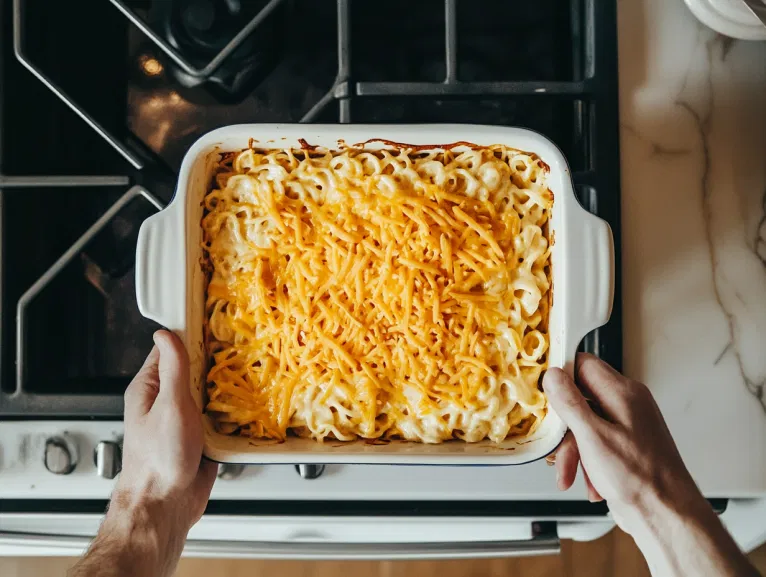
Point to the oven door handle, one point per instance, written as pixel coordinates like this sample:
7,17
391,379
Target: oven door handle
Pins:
30,544
378,551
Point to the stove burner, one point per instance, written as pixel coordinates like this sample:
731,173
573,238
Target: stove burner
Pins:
444,62
200,29
204,24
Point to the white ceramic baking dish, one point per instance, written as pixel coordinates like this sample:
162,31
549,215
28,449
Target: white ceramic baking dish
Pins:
170,284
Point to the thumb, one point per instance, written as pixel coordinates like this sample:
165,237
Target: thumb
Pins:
142,390
203,485
173,366
567,400
206,477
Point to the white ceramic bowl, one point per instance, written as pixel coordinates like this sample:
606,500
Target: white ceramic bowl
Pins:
170,284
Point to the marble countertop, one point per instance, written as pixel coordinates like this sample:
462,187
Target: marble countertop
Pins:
693,145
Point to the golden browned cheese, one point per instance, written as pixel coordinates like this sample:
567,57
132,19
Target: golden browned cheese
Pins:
378,294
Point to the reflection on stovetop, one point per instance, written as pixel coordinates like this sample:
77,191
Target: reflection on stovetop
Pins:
169,115
276,76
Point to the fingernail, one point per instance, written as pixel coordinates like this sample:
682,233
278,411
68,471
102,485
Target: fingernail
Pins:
558,481
158,342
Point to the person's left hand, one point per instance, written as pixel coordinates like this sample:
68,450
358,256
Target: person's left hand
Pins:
163,472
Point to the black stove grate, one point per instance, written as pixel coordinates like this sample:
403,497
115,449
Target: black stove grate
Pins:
153,76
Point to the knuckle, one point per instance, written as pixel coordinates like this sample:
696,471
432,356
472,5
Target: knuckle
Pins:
582,366
638,391
589,368
641,389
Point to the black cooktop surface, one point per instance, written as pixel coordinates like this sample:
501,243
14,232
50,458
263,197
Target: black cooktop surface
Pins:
93,104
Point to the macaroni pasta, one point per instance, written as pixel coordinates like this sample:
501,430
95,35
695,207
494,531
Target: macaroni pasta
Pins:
388,294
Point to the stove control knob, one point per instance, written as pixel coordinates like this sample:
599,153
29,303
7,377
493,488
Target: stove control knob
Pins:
60,456
309,471
108,459
229,471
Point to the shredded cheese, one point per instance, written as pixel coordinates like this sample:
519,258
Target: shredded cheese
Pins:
378,294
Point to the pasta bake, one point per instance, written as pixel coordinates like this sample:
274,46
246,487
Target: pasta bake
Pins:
400,293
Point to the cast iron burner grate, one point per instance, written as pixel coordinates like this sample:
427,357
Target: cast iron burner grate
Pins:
154,75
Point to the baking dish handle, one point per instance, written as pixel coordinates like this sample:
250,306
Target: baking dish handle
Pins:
161,268
592,273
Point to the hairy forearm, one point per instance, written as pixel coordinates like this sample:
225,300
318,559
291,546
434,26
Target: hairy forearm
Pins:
682,536
136,538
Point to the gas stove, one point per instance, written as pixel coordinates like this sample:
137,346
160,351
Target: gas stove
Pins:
94,121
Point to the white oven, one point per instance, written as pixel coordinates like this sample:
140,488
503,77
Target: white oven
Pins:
56,477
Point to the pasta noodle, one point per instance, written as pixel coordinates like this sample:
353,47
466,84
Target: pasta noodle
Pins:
378,294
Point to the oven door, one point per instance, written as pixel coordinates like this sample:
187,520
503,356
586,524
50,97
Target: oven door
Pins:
295,537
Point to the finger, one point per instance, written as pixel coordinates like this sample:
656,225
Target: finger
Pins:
567,400
603,384
593,495
142,390
567,459
173,366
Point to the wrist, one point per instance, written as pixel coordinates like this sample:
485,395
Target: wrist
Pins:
145,502
146,529
656,512
662,505
663,519
680,534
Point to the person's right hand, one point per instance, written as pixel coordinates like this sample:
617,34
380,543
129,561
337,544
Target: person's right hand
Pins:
162,453
165,481
627,453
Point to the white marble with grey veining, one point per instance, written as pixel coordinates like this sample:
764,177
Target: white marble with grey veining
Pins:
693,144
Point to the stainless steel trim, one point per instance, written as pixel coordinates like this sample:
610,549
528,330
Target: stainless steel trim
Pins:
310,471
382,551
758,8
61,181
108,459
319,550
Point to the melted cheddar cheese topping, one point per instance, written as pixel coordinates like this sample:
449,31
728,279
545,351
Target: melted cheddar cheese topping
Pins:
378,294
